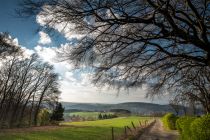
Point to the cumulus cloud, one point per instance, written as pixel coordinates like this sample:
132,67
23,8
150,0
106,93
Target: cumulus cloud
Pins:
76,86
27,52
65,28
44,38
46,53
14,41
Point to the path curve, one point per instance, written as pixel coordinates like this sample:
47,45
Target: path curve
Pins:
157,132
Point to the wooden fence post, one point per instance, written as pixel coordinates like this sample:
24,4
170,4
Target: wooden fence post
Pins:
140,123
112,133
133,125
125,131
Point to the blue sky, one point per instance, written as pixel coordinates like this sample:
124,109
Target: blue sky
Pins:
26,30
23,29
73,89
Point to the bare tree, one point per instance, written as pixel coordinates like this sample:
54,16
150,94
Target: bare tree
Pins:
50,86
133,42
195,88
27,85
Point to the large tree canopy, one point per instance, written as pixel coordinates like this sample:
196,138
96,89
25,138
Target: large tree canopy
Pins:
132,42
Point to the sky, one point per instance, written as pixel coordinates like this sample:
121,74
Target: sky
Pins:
75,84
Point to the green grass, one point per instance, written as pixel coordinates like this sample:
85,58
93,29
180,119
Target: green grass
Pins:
88,130
116,122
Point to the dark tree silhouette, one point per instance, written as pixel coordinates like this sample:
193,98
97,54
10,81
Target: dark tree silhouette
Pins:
27,86
100,116
133,42
57,114
194,90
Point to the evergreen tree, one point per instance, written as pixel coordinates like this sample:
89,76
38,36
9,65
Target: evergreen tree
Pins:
57,114
104,116
100,116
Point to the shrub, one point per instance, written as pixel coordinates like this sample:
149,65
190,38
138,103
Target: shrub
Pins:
200,128
169,121
43,117
192,128
183,125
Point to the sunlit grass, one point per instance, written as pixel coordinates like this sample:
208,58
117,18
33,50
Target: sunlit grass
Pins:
87,130
116,122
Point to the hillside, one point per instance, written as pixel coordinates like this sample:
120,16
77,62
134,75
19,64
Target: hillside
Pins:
134,107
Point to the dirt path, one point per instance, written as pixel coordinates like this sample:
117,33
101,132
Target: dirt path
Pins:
156,132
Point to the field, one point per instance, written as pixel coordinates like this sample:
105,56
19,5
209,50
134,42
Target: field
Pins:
87,130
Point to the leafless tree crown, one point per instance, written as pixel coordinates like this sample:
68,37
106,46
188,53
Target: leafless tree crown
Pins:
26,86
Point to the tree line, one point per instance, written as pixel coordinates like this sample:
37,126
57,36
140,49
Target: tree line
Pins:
106,116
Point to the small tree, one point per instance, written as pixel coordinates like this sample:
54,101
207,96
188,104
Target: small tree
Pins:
57,114
43,117
104,116
100,116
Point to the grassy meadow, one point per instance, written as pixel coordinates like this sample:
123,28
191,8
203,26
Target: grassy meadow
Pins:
87,130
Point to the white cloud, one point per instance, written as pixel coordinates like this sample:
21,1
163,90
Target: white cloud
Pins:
76,86
44,38
14,41
65,28
46,53
27,52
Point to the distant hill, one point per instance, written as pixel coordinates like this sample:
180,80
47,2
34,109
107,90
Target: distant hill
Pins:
134,107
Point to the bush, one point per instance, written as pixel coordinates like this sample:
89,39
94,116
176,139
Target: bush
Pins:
169,121
44,117
183,125
200,128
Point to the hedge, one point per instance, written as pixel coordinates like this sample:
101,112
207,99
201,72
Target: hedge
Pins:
169,121
192,128
183,126
200,128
